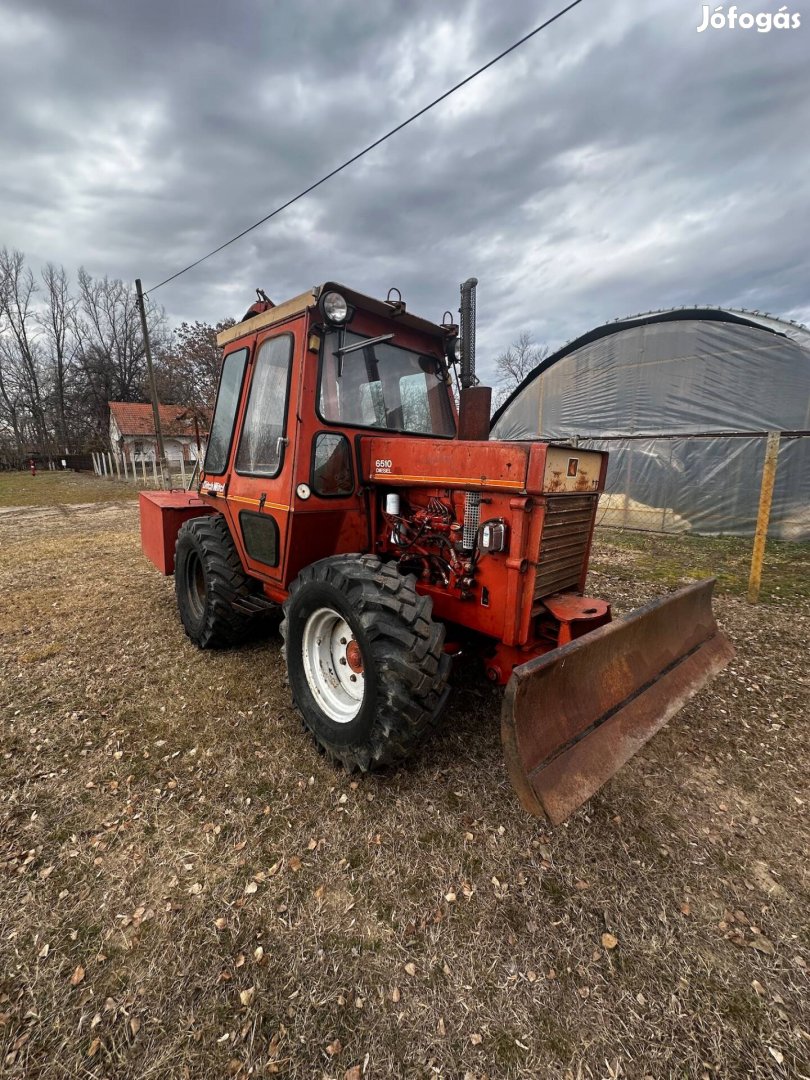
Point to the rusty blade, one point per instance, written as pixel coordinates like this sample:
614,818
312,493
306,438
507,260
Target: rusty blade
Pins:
573,717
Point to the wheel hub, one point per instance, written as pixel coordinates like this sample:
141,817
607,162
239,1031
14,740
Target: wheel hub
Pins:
354,657
333,665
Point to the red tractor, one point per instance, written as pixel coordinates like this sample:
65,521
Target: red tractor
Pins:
342,483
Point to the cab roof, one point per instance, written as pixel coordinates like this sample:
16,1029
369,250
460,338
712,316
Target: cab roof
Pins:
309,299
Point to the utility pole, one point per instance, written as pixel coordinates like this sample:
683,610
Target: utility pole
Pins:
164,464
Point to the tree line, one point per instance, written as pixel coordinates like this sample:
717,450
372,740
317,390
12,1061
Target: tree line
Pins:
67,348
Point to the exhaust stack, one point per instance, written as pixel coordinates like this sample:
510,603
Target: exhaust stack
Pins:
475,401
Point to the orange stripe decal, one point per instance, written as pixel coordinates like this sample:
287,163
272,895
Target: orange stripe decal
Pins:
483,481
256,502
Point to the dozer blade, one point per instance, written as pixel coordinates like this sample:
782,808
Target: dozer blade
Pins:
573,717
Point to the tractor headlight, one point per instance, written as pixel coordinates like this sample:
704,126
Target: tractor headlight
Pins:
453,351
334,307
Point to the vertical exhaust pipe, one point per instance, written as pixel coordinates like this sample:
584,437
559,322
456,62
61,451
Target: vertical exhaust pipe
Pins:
467,312
474,401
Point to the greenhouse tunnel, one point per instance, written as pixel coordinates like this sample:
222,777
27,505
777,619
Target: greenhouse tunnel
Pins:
683,401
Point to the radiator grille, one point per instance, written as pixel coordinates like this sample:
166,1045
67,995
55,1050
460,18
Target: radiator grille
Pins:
564,543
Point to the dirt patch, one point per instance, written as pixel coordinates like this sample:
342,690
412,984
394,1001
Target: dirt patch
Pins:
188,890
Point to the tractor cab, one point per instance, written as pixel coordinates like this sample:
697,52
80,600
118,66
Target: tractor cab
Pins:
301,383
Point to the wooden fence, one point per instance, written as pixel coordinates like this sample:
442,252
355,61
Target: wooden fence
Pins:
146,474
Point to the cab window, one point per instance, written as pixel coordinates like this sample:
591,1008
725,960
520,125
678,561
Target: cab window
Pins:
261,446
230,385
383,386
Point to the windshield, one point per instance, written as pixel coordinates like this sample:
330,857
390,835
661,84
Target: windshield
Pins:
383,386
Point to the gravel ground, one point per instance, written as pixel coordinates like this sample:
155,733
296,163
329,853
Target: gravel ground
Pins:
188,890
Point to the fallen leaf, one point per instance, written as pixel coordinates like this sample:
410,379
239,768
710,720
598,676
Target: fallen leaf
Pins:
763,945
295,864
251,888
77,976
410,968
450,897
95,1045
776,1055
609,941
395,995
476,1039
685,908
43,952
220,923
334,1048
440,1028
765,880
246,996
258,954
134,1025
354,1073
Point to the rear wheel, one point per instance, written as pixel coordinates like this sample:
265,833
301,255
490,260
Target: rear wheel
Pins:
208,579
365,660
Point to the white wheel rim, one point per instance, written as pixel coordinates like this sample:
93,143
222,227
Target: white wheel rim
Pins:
330,664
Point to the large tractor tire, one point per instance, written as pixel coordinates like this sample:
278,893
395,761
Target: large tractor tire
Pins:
365,660
208,580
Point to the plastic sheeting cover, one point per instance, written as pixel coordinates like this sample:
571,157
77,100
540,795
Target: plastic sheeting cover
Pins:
681,378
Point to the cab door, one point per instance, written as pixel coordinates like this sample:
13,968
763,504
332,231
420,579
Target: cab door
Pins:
259,491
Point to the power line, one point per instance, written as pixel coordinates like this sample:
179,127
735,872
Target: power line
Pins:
370,147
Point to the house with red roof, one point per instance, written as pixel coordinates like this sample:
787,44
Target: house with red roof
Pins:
132,432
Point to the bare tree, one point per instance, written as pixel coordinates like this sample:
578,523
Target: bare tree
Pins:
515,363
21,352
111,352
59,327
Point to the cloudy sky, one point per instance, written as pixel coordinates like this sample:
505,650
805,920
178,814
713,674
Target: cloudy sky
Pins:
617,162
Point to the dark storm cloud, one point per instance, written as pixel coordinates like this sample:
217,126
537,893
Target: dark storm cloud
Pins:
620,161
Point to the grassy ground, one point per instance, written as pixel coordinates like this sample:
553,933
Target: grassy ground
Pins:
672,560
188,890
46,488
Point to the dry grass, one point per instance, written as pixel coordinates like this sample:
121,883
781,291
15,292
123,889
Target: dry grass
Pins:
47,488
188,890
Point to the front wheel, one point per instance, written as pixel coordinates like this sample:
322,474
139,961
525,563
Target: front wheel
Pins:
365,660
